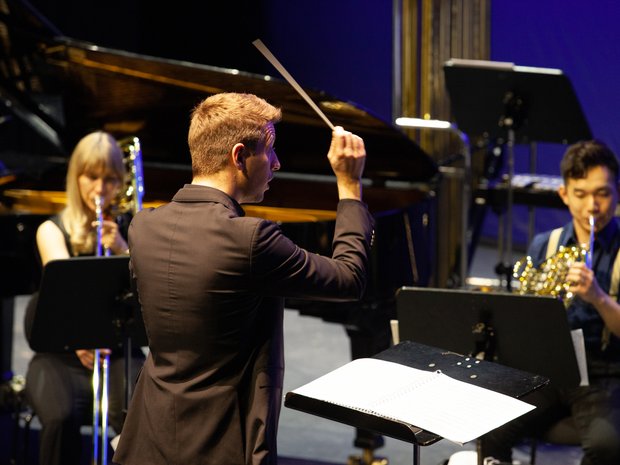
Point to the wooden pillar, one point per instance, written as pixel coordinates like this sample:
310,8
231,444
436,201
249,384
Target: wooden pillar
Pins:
428,33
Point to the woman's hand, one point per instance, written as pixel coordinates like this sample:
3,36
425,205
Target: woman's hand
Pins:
87,357
111,237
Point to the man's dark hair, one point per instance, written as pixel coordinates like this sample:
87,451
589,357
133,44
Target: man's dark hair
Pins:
585,155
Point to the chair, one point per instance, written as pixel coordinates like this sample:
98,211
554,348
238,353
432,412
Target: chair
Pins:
22,415
564,432
22,450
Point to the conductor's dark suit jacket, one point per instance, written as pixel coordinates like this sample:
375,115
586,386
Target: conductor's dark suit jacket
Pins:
211,284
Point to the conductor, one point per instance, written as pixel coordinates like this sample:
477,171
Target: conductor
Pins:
212,283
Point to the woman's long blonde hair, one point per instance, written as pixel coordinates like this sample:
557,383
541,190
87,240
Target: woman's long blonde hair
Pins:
97,152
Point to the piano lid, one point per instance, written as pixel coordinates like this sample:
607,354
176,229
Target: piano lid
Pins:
63,88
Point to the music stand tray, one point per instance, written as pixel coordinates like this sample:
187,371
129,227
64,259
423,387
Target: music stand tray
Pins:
488,375
540,102
86,303
529,333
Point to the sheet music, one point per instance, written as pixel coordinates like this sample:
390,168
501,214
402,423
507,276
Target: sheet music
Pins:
432,401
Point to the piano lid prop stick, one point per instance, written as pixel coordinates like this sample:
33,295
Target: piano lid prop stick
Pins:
274,61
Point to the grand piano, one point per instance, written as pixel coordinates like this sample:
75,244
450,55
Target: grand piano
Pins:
54,89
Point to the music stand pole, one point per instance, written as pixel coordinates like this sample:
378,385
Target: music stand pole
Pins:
509,205
467,187
511,120
104,409
96,385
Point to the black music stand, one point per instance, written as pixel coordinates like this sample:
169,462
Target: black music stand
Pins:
87,303
493,376
517,104
538,104
529,333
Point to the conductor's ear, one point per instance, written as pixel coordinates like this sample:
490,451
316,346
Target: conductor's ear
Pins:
238,154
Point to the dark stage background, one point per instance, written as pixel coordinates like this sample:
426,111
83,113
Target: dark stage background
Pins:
344,47
581,38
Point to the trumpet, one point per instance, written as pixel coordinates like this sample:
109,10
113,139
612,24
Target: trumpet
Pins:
550,278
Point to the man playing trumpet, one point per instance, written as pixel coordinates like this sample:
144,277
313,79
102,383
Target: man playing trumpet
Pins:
590,191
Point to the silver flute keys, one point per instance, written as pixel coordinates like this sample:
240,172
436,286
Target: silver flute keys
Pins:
100,250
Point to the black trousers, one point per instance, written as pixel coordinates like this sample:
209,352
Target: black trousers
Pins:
595,410
59,390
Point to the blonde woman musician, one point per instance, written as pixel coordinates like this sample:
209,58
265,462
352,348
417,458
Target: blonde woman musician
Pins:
59,385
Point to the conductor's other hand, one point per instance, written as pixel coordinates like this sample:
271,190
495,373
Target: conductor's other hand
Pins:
347,156
87,357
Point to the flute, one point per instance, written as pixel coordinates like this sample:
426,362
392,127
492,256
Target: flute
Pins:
100,250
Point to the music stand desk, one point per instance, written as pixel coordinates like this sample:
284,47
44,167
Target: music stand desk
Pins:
488,375
547,107
529,333
85,303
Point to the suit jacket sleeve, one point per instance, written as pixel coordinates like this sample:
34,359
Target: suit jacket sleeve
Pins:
280,267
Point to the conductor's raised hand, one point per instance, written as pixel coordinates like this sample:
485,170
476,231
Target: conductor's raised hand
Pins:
347,156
